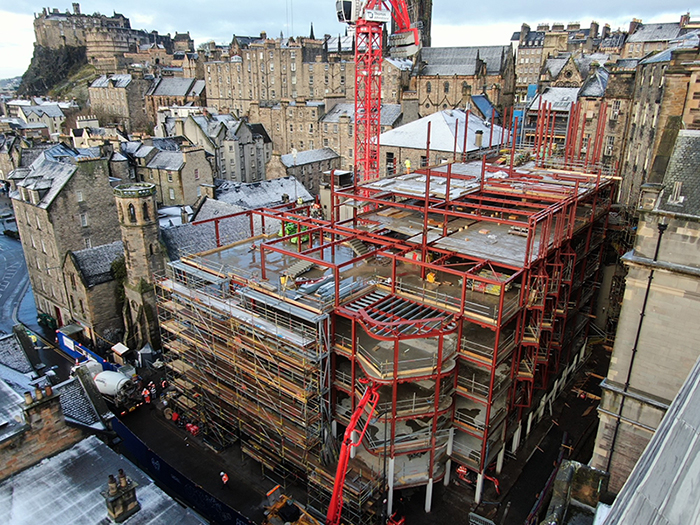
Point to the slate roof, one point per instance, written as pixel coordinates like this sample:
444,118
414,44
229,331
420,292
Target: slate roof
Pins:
167,160
626,63
259,129
391,113
308,157
13,356
211,208
449,61
177,87
414,134
533,39
613,40
95,264
663,56
484,105
596,84
81,402
119,81
10,410
52,169
66,489
655,32
683,168
663,487
561,98
262,194
50,110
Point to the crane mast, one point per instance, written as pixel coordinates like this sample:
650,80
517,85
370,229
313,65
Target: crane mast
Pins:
368,18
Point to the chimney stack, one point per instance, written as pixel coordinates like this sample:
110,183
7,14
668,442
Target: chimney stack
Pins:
120,497
479,140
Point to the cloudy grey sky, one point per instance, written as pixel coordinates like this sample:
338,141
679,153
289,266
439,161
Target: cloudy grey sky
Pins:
455,22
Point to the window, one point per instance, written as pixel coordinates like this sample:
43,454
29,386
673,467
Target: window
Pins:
88,243
423,161
83,219
79,195
390,163
446,87
311,128
146,216
465,88
43,246
291,128
196,174
171,192
428,87
132,213
170,176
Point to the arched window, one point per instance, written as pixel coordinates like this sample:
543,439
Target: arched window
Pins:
446,87
150,248
428,87
465,88
132,213
145,212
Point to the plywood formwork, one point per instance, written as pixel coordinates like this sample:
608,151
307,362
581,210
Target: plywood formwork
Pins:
465,296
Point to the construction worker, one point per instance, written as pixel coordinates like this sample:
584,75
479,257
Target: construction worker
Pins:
146,396
152,388
224,480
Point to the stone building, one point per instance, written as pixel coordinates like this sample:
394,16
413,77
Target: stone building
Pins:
63,202
178,171
47,114
92,293
664,100
10,154
645,38
445,78
105,48
138,219
615,89
183,42
656,342
54,29
236,149
561,99
308,166
305,125
119,99
174,92
565,70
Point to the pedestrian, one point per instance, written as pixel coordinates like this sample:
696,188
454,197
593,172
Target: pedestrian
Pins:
152,388
224,480
146,396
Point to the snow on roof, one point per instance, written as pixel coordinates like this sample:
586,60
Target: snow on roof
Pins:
308,157
117,81
414,135
80,475
561,98
262,194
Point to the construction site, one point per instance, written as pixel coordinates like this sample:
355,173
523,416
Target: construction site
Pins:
464,291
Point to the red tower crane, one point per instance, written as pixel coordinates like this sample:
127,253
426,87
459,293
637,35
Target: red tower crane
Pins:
368,17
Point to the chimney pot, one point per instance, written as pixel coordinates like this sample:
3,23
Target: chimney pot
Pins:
48,391
38,394
28,399
112,485
122,478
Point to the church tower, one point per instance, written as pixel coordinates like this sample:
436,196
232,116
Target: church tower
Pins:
143,255
420,12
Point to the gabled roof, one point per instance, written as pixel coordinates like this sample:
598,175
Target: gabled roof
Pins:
52,169
117,81
308,157
596,84
414,135
561,98
167,160
13,356
265,193
682,173
655,32
177,87
95,264
50,110
82,403
390,115
10,410
449,61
